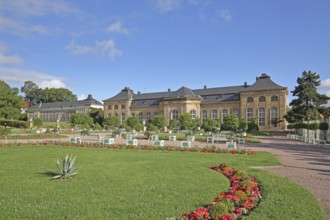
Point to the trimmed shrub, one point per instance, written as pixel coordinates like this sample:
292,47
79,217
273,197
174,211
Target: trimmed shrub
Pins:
14,123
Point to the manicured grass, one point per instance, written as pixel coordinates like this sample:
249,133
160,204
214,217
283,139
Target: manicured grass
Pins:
32,136
135,184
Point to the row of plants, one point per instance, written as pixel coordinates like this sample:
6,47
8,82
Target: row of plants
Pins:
207,149
241,198
311,126
14,123
32,136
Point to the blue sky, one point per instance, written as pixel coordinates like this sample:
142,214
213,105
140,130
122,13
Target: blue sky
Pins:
98,47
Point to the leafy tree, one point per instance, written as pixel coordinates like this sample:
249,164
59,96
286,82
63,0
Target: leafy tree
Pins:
97,126
186,121
138,127
10,102
32,92
96,114
132,121
275,121
57,95
37,122
243,125
152,127
308,100
82,120
174,124
210,124
230,122
159,121
111,122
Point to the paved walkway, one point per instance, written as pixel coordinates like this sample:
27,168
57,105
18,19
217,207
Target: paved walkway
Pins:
305,164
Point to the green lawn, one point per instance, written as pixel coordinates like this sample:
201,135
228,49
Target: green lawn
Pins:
126,184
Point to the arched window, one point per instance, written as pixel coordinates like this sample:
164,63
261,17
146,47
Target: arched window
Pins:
235,112
204,114
123,118
148,116
193,114
224,113
109,107
133,114
122,106
174,114
273,114
249,114
262,99
249,99
274,98
141,116
116,106
214,114
262,117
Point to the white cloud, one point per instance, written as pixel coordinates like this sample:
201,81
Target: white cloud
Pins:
82,97
168,5
33,8
5,59
15,75
325,84
224,15
22,28
117,28
105,48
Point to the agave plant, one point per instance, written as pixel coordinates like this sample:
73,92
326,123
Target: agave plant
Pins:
67,167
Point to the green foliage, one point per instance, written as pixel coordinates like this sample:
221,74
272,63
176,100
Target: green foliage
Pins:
275,121
112,122
210,124
97,126
243,125
57,95
313,126
84,132
252,126
10,102
4,131
32,92
324,126
67,167
96,114
132,121
138,127
82,120
159,121
126,127
174,124
308,100
186,121
14,123
230,122
152,127
37,122
218,210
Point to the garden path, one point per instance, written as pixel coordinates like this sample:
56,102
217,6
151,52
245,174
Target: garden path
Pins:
306,164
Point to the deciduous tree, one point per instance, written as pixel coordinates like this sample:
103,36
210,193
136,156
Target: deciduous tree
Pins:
10,102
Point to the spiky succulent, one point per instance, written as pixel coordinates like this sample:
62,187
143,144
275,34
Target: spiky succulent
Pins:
67,167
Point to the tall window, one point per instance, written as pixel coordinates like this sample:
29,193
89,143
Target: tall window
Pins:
249,114
133,114
148,116
204,114
262,118
175,114
250,99
224,113
193,114
273,114
140,116
122,106
235,112
109,107
116,115
262,99
214,114
116,106
274,98
123,118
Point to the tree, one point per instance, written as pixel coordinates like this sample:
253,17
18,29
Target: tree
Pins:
210,124
243,125
230,122
111,122
37,122
159,121
305,107
79,119
174,124
57,95
32,92
132,121
96,114
10,102
186,121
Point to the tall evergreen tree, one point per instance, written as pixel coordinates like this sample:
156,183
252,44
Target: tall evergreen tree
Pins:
308,100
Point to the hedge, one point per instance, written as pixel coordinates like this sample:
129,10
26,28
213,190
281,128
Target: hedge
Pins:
14,123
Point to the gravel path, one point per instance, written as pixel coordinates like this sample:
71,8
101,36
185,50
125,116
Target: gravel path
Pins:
306,164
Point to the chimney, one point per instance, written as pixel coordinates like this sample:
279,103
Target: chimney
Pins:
205,87
139,92
257,78
169,90
89,96
245,84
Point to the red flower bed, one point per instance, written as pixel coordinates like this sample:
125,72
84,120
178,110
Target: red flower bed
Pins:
241,198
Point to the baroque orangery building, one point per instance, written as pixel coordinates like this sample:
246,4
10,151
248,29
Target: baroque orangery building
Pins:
264,100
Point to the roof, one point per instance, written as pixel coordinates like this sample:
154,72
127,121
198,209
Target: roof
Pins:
264,83
124,94
67,104
183,92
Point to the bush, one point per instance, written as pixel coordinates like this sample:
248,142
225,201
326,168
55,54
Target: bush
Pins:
14,123
252,126
324,126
